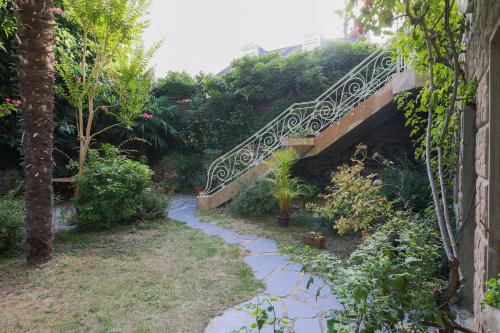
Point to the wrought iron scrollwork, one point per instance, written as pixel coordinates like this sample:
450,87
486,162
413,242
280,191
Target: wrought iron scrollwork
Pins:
309,117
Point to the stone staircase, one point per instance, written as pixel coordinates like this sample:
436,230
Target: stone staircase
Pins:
311,127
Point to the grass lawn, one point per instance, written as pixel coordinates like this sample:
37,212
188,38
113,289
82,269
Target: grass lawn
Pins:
287,239
160,277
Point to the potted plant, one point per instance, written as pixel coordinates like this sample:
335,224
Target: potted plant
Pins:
314,238
286,187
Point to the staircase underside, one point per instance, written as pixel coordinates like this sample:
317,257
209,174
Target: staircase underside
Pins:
365,115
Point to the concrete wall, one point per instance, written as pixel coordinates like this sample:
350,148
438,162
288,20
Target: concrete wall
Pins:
482,66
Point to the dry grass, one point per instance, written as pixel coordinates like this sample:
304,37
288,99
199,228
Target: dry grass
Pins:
287,239
163,278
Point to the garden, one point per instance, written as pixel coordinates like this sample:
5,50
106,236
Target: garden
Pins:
102,160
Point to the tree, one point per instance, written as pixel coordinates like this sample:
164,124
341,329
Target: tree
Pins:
36,81
111,76
429,40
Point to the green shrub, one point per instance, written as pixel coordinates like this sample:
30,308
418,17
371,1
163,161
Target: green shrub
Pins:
407,183
255,199
492,296
112,190
309,193
390,281
12,231
155,202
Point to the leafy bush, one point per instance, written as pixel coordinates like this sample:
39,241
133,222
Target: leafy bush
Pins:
405,182
309,193
12,231
155,202
112,189
354,201
255,199
492,296
390,282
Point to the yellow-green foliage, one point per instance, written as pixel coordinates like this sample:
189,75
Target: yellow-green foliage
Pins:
353,201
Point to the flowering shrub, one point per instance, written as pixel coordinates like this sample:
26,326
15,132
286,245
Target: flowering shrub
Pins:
58,11
113,190
354,201
9,106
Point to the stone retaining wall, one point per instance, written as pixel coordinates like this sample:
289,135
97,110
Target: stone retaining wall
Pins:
484,17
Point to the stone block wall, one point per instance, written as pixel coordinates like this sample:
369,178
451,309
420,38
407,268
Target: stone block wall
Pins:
484,18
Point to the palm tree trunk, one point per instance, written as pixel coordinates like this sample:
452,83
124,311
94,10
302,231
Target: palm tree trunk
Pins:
36,81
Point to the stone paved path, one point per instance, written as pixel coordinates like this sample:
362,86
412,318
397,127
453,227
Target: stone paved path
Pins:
283,279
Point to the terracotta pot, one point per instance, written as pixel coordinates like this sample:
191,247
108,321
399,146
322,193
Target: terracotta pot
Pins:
283,221
318,242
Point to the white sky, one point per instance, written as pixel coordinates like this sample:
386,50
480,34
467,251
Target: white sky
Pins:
205,35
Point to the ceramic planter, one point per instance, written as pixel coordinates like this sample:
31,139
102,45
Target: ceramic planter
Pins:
283,221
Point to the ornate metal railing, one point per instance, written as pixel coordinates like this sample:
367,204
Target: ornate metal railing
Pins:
309,118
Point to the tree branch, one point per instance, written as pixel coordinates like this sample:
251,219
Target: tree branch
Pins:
104,130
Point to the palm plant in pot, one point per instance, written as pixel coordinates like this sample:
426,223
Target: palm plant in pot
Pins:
285,187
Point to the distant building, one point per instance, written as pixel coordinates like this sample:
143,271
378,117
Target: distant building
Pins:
310,41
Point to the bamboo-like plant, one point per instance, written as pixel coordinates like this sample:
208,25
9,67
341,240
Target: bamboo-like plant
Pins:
286,187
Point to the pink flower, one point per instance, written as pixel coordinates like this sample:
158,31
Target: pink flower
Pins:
146,115
16,102
58,11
